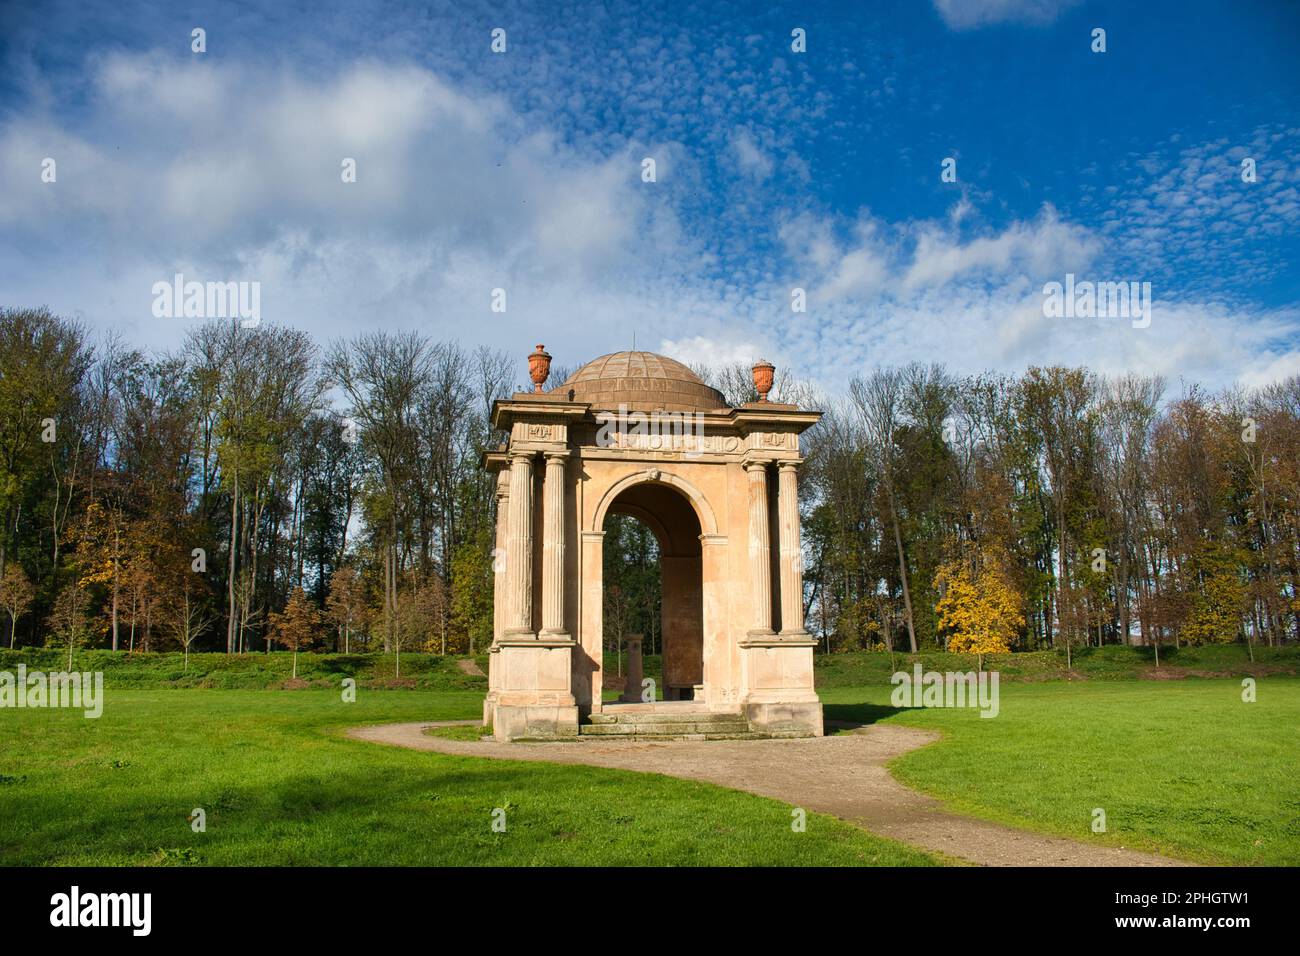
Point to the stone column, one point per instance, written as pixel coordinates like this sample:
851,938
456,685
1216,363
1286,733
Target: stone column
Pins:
791,555
519,557
553,546
499,563
591,618
760,556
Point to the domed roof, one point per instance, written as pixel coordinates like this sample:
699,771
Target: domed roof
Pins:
641,380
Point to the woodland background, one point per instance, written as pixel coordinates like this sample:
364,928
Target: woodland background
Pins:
256,488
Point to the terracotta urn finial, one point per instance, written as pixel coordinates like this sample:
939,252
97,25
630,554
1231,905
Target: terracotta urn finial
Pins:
763,373
539,367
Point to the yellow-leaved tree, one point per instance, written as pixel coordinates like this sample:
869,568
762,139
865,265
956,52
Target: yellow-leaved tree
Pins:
980,610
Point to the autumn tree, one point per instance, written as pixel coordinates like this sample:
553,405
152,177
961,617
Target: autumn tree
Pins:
345,605
69,619
1215,615
422,608
295,627
140,580
979,610
100,542
16,595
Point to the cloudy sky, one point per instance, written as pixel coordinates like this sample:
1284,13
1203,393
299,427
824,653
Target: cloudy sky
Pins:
775,170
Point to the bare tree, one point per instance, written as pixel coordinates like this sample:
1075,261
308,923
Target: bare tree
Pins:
878,399
16,595
383,375
188,618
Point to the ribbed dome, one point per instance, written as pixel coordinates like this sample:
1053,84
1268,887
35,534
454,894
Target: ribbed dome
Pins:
641,380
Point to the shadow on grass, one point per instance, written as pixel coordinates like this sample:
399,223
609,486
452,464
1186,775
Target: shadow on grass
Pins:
853,716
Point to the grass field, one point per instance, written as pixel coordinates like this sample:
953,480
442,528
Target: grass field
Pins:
217,671
1179,766
281,786
214,671
1110,663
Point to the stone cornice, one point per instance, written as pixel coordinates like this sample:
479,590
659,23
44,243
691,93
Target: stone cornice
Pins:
751,417
531,407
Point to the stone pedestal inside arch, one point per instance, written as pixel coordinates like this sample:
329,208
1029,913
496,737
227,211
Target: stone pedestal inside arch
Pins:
639,434
635,669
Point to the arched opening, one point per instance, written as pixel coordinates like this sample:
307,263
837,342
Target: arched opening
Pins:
653,586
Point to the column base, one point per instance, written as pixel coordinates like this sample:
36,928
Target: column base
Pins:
493,672
785,719
533,697
534,722
778,696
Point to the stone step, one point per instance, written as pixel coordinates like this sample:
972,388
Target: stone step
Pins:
655,727
656,707
738,735
662,717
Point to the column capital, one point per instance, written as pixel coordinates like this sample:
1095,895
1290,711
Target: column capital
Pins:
789,464
560,455
755,464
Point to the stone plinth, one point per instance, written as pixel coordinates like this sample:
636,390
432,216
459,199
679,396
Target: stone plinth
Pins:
778,675
534,694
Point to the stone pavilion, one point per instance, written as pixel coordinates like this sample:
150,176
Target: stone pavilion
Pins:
640,434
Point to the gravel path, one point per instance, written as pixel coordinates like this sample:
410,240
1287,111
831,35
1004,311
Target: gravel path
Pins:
843,776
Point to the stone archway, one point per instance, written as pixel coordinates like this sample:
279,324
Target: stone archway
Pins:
640,433
670,514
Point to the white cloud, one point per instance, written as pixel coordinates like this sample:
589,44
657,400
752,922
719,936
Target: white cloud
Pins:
970,14
751,160
925,291
234,174
711,350
1043,246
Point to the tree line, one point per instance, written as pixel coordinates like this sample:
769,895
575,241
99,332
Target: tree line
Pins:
246,489
1056,508
253,488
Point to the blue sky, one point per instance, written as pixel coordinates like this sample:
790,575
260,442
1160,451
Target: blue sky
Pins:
775,170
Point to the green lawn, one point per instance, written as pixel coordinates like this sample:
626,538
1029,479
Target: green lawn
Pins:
280,785
1111,663
257,671
1183,767
1179,766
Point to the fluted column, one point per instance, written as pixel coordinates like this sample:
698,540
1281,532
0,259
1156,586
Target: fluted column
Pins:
519,555
553,545
791,555
760,554
499,563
